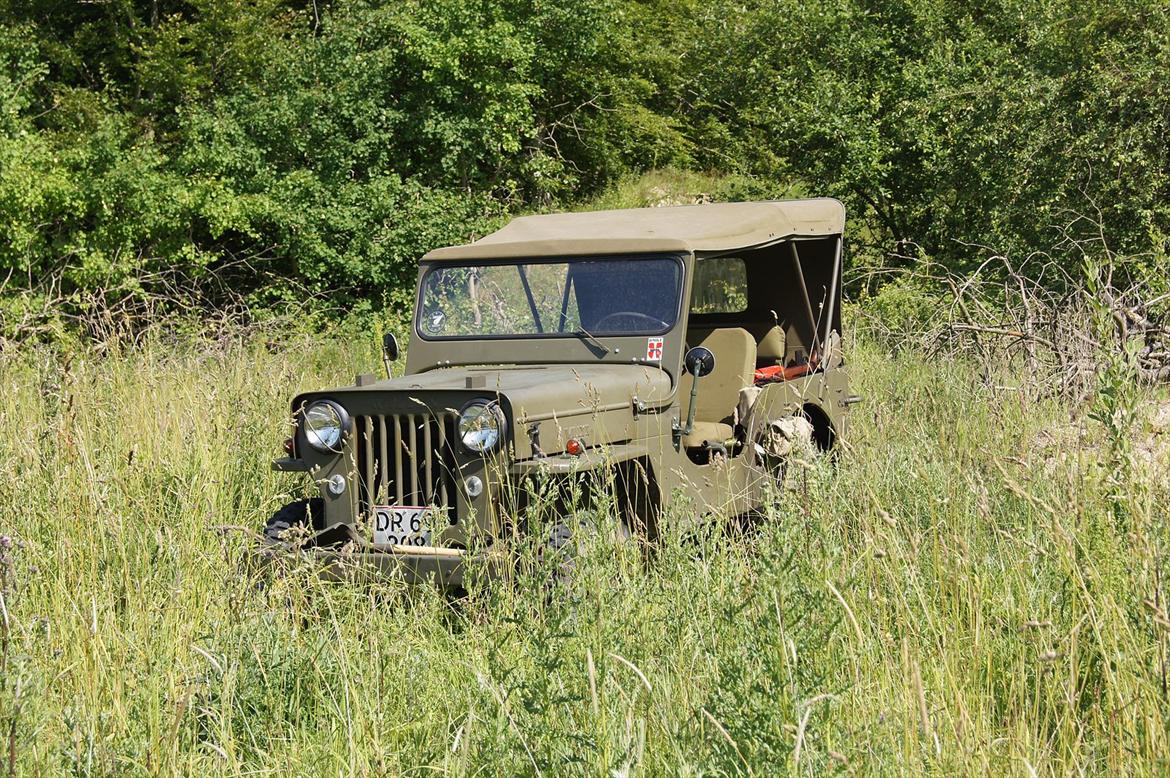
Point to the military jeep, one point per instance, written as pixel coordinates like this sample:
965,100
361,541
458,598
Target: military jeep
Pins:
666,353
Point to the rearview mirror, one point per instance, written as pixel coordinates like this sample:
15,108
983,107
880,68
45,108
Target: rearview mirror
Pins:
390,346
389,351
699,361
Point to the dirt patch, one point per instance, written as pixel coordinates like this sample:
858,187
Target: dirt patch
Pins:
1081,441
660,197
1153,444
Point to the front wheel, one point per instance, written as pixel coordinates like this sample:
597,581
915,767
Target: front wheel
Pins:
296,523
561,547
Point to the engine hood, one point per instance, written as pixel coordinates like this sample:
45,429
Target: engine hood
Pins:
548,404
540,392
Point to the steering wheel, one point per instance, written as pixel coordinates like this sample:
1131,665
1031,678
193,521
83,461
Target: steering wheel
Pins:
658,324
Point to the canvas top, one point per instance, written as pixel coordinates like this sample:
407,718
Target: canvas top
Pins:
710,228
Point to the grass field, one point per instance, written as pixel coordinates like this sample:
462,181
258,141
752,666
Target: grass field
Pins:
977,587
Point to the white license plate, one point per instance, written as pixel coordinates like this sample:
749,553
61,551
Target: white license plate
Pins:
401,525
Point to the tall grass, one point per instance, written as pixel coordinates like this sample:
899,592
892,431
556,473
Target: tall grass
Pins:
976,586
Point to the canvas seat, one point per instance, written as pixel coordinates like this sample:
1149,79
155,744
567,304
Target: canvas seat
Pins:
735,363
772,349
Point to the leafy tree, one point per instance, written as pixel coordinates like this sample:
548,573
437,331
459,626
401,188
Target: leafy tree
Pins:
195,150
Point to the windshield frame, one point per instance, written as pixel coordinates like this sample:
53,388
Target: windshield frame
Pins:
427,268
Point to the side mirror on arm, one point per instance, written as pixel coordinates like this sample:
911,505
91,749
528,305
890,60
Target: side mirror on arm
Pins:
698,362
389,351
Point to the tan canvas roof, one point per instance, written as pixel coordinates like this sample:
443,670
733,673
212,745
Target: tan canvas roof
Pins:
712,227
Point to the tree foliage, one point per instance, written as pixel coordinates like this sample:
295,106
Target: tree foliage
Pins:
278,148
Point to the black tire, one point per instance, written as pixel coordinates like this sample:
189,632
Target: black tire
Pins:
302,514
560,547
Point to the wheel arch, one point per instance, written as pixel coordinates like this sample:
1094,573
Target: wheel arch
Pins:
824,433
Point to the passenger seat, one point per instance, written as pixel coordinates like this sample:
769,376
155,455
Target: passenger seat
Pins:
773,348
735,360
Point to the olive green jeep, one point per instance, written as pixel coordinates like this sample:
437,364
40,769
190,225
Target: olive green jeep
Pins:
651,354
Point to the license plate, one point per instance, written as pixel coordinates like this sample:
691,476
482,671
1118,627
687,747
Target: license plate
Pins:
401,525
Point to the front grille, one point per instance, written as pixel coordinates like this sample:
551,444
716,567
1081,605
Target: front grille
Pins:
407,459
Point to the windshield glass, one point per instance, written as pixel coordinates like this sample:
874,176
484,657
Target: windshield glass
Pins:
549,298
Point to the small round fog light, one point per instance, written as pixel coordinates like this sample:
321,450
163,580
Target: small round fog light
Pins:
474,486
336,484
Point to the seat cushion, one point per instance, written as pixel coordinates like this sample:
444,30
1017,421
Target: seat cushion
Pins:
772,348
707,432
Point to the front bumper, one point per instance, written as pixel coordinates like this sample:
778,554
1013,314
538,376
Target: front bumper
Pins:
440,566
443,567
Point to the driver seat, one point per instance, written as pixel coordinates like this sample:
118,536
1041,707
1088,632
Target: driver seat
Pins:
735,364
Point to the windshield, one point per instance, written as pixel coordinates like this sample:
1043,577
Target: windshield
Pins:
549,298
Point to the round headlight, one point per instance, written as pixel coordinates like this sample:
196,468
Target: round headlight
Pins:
481,426
325,426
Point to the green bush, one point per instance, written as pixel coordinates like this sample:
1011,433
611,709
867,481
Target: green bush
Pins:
212,151
901,307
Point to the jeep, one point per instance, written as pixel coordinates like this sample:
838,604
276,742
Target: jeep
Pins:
651,354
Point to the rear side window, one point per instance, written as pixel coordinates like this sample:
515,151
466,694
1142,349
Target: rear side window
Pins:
720,286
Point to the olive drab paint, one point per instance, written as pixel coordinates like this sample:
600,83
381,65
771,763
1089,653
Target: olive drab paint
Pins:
621,391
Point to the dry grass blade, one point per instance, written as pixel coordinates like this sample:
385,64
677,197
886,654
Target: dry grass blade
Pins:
641,676
727,736
802,726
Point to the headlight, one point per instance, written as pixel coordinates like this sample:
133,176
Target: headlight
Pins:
326,424
481,425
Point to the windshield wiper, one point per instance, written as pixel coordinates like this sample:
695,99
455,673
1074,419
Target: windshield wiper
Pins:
585,336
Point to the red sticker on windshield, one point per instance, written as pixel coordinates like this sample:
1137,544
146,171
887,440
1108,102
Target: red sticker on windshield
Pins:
653,349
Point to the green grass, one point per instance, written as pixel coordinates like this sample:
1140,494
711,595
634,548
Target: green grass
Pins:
954,597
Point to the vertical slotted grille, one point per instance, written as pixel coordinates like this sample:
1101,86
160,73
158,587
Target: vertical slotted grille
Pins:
406,459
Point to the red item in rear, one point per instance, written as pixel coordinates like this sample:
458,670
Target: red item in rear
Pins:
768,375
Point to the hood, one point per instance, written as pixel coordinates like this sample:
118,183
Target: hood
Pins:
540,392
